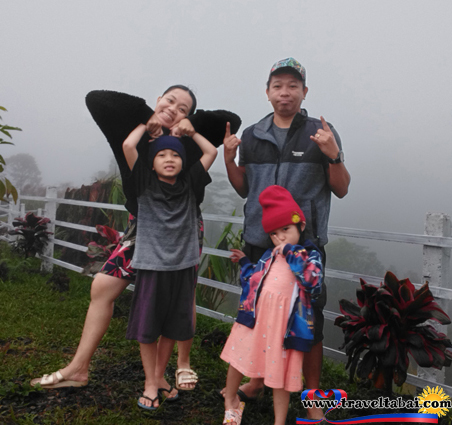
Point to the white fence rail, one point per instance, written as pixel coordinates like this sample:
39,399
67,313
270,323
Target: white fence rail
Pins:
436,242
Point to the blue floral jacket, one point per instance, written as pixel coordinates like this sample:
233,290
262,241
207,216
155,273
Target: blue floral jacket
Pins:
306,264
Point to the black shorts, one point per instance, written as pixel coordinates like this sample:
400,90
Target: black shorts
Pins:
254,253
162,304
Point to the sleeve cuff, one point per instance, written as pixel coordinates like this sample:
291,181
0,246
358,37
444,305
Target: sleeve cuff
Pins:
287,248
244,261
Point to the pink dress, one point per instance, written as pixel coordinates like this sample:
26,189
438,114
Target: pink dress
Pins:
259,352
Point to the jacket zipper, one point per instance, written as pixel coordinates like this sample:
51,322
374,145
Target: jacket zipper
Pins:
289,325
260,284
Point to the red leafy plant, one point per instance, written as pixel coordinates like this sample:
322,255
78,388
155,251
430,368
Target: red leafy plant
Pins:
99,252
388,323
32,234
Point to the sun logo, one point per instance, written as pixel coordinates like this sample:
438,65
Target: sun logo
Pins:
435,401
295,217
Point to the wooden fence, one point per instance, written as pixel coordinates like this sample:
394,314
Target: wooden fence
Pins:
436,242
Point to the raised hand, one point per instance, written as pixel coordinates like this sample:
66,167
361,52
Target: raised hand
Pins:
325,140
236,255
154,127
183,128
231,143
278,249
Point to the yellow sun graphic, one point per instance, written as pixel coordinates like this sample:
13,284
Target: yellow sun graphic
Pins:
434,400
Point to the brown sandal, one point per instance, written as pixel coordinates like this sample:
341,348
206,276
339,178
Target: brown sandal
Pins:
56,380
186,376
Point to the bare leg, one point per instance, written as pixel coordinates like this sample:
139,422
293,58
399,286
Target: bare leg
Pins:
184,347
149,359
281,399
164,350
312,368
104,291
251,388
231,399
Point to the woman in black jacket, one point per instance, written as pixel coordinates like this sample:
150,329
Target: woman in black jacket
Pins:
117,114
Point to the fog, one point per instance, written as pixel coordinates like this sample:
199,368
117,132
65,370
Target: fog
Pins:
378,70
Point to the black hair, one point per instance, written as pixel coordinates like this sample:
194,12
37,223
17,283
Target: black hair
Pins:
301,232
185,88
286,70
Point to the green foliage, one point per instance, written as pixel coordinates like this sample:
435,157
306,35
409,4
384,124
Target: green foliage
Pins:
220,269
8,267
11,389
6,187
117,219
40,330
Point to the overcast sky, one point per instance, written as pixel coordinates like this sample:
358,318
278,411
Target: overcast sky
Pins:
378,70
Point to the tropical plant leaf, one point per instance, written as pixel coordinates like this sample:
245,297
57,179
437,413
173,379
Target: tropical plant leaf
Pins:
108,233
422,356
32,220
354,362
390,356
8,127
381,345
349,308
96,250
374,333
11,190
387,323
415,339
366,365
406,292
432,312
4,142
218,268
32,234
392,284
399,376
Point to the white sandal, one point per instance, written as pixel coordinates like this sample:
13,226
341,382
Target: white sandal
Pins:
186,376
56,380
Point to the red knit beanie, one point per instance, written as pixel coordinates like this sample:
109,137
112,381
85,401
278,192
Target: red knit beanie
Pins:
279,208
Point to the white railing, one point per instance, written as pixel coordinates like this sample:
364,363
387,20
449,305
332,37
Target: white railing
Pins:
437,244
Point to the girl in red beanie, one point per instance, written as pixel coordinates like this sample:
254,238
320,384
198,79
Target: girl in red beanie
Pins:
275,321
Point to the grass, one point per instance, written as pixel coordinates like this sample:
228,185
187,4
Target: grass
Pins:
39,332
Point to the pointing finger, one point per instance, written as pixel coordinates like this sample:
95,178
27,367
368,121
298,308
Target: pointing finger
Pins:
228,130
325,125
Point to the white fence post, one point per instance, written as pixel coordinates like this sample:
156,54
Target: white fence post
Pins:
436,271
12,214
50,212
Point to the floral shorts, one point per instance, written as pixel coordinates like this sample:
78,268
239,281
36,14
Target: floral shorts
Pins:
120,262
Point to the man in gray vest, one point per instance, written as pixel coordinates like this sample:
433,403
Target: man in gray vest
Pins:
302,154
